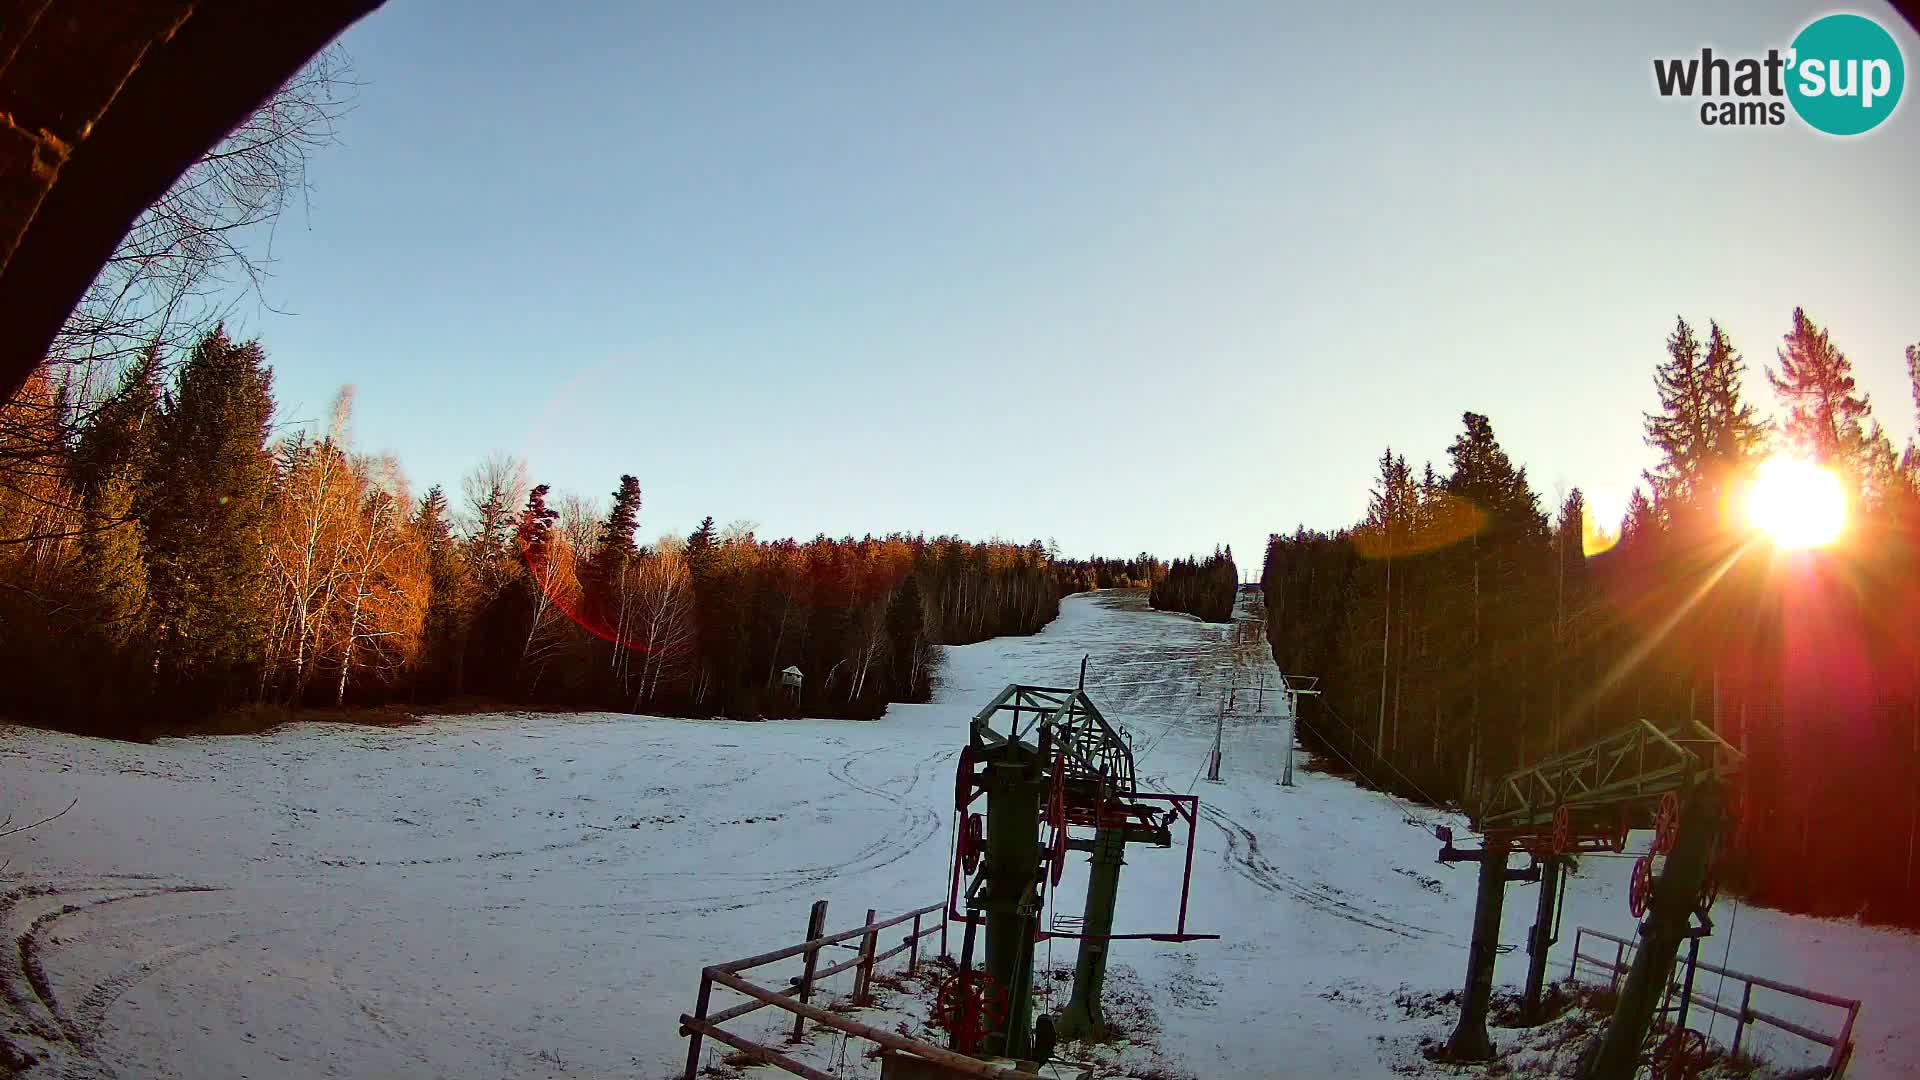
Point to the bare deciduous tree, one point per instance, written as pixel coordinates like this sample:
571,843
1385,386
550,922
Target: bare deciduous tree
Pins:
207,243
663,630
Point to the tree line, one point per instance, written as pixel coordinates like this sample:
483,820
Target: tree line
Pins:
1462,629
1200,587
164,555
1142,571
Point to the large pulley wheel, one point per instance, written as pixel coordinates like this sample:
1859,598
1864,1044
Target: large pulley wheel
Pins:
1562,831
1057,849
1640,888
1709,887
1682,1055
1666,823
973,842
1056,815
970,1004
963,780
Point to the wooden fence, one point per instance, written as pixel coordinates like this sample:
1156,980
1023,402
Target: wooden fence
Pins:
794,998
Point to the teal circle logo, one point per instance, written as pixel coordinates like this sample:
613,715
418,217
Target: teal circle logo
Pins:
1846,74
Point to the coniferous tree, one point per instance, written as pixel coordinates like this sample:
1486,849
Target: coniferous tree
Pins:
1641,520
703,557
1497,557
906,630
606,588
205,496
542,587
1704,432
1203,588
1389,514
109,464
1815,383
443,648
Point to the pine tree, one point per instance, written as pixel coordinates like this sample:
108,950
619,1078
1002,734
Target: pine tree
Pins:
1883,480
613,551
491,492
119,434
1703,431
1913,375
1571,531
443,651
906,633
702,540
207,487
606,585
545,587
1389,511
1736,433
1910,461
616,534
1641,521
1815,383
1498,558
108,464
534,531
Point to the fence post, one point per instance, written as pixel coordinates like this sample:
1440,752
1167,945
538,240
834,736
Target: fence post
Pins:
943,932
863,972
913,946
699,1013
816,927
1619,959
1843,1046
1740,1026
1573,966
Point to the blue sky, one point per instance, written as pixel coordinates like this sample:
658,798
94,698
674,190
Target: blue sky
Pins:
1128,275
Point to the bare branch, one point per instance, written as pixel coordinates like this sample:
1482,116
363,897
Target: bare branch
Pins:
15,830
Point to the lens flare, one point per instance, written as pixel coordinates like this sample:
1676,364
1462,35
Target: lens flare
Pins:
1796,503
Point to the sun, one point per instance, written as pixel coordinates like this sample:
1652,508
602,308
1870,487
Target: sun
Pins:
1796,503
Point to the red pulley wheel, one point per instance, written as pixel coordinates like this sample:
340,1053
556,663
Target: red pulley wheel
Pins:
963,779
970,1004
1640,888
1682,1055
972,842
1666,823
1562,831
1710,886
1057,857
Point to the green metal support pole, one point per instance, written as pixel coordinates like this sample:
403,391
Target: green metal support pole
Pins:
1540,940
1616,1053
1083,1017
1014,784
1470,1041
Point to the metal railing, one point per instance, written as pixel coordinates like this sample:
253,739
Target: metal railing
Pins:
702,1024
1839,1044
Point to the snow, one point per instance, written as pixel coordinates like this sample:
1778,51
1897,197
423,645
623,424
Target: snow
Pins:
535,895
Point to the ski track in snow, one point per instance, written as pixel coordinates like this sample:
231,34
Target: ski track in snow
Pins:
534,896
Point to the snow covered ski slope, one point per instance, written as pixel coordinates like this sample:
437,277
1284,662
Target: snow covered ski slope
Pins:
533,896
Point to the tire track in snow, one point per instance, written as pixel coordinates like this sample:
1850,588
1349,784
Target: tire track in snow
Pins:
1256,868
43,1013
90,1016
924,823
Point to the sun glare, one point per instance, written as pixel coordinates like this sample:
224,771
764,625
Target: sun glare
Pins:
1796,503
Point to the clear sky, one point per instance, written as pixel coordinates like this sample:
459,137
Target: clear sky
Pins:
1132,275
